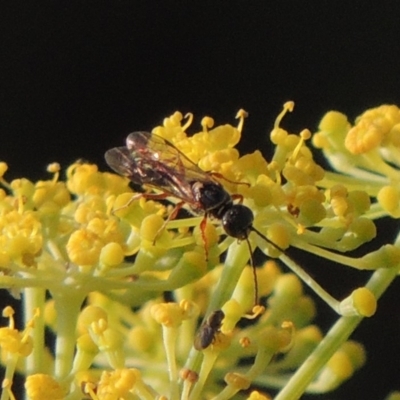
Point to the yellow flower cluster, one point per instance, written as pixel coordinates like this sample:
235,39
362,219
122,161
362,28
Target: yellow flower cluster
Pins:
368,151
91,240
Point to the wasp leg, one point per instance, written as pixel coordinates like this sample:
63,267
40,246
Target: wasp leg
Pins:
237,196
203,225
130,201
170,217
148,196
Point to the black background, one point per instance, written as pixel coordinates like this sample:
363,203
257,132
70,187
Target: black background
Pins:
77,76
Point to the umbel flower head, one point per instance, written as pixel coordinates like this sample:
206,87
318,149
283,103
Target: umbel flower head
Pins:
96,262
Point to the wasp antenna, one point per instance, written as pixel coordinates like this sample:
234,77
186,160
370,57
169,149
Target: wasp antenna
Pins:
220,176
304,276
254,273
267,240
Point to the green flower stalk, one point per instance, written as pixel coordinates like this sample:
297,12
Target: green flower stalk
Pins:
94,261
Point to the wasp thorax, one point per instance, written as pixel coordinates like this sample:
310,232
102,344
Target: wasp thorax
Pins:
237,221
212,196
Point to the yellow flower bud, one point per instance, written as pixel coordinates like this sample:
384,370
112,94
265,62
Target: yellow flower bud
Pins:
237,381
44,387
112,254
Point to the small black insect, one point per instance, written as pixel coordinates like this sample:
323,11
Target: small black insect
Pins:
207,331
148,159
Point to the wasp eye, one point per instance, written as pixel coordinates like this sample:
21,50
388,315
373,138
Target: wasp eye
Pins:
237,221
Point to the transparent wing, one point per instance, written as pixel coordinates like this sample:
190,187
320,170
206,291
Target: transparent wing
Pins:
151,160
157,149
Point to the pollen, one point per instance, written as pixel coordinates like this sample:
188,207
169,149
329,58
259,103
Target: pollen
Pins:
170,314
364,302
20,234
172,128
89,315
3,169
389,199
363,138
189,375
373,129
14,341
255,395
333,121
50,196
151,229
338,199
275,339
278,234
111,260
220,161
84,247
237,381
207,123
105,228
332,132
117,384
54,167
304,171
174,120
111,254
84,179
266,192
141,339
43,387
341,366
233,311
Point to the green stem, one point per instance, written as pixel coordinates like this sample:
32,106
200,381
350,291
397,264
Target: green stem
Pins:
332,178
67,304
236,259
338,334
34,298
169,336
10,362
312,283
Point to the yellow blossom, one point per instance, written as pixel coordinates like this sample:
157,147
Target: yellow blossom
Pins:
373,128
112,254
50,195
172,130
84,247
132,284
44,387
117,384
389,198
89,315
170,314
84,179
20,234
255,395
239,382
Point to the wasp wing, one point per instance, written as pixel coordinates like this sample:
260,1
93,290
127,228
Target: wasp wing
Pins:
119,159
149,159
159,150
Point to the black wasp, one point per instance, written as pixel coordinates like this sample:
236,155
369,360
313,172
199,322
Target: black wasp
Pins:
206,334
148,159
